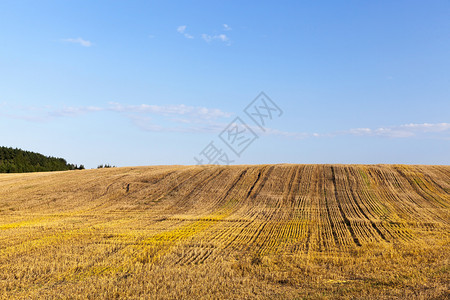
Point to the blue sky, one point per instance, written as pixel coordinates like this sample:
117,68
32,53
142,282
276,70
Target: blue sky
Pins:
154,82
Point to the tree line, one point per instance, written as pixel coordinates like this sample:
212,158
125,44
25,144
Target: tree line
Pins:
15,160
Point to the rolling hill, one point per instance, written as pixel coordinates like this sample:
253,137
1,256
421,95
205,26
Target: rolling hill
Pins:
266,232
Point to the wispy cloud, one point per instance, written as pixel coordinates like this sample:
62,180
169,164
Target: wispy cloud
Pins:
220,37
73,111
149,117
402,131
226,27
171,110
147,123
182,30
80,41
172,118
411,130
176,112
206,37
186,118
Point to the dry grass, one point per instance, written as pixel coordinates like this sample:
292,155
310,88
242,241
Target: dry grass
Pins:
268,232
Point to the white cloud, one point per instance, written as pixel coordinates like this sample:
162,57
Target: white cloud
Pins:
171,110
182,29
221,37
185,118
79,40
73,111
148,117
286,134
419,130
402,131
148,124
428,127
173,118
206,37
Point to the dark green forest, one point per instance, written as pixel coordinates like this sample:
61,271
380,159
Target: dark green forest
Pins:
13,160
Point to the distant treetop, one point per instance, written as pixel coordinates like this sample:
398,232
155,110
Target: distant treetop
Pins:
105,166
14,160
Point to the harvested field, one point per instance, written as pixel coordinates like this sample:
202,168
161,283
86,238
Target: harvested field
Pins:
266,231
